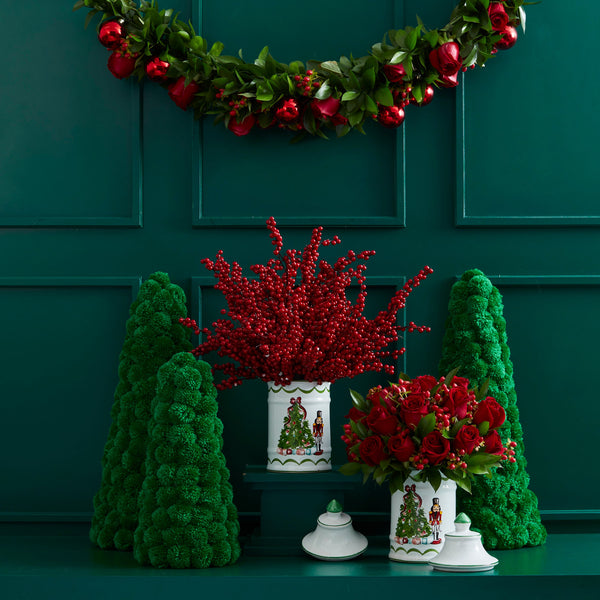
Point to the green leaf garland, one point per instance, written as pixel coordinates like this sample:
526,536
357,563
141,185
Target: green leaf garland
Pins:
339,95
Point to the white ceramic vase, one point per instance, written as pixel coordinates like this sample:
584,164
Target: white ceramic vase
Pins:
420,518
299,438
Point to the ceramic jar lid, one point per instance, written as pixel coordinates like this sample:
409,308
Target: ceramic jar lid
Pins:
463,550
334,538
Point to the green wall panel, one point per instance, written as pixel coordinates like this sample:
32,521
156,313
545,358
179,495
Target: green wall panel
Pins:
524,148
65,160
55,409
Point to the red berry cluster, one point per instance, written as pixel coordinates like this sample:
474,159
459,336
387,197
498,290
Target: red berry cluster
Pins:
293,320
307,83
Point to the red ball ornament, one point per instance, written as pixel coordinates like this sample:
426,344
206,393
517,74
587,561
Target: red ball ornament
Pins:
121,65
157,69
391,116
110,34
242,127
508,39
183,94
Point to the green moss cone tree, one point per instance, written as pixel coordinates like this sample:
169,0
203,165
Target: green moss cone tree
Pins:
187,516
502,508
153,336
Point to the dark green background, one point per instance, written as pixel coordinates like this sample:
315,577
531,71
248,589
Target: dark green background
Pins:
104,183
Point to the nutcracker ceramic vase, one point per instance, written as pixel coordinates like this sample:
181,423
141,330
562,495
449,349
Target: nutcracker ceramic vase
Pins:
299,438
420,518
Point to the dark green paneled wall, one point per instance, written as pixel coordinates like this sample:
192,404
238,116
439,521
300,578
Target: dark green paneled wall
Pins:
104,183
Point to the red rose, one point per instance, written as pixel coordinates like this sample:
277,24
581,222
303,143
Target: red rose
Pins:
372,450
467,438
413,407
448,81
424,383
242,127
390,116
379,421
157,69
489,410
460,382
498,16
394,73
446,59
402,447
508,40
355,415
183,94
435,447
121,65
110,34
325,109
288,111
459,397
338,119
493,443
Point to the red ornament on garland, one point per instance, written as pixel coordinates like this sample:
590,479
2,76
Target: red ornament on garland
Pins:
110,34
427,96
508,39
242,127
121,65
391,116
157,69
183,94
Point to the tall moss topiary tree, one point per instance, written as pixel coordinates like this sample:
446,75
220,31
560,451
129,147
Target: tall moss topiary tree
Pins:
187,516
153,335
502,508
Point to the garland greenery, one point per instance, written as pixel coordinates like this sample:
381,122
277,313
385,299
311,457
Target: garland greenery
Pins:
340,94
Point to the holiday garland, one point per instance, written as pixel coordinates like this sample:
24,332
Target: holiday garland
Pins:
403,69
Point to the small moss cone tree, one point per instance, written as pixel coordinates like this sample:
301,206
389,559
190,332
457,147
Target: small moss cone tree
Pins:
187,516
153,335
502,508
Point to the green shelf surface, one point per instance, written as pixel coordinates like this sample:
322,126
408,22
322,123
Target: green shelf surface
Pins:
54,561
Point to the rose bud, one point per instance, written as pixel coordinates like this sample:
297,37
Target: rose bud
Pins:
498,16
372,451
157,69
338,119
508,39
446,58
110,34
242,127
467,438
121,65
489,410
288,111
391,116
435,447
402,447
325,109
379,421
493,443
394,73
183,94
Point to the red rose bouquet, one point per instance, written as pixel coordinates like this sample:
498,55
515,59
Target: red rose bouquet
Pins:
436,428
294,321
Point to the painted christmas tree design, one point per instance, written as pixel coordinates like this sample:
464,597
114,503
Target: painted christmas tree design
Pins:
412,522
295,433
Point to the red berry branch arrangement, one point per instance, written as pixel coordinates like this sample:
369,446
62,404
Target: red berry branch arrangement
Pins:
336,94
294,321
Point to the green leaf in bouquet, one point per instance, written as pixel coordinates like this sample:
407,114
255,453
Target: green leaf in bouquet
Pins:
435,479
351,95
366,471
359,401
351,468
324,91
398,57
456,427
464,483
481,458
426,425
330,66
379,475
483,427
397,482
482,390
